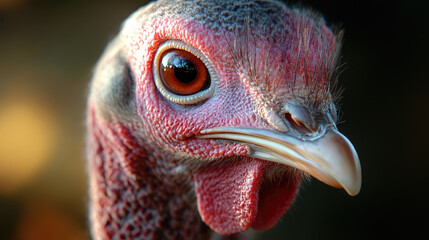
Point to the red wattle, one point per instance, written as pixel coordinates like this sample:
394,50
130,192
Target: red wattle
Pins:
228,194
232,196
275,198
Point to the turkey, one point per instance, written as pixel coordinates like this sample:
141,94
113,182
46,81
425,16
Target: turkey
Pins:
204,116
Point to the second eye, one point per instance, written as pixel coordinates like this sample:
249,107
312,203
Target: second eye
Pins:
183,73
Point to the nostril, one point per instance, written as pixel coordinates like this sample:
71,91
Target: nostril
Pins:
297,124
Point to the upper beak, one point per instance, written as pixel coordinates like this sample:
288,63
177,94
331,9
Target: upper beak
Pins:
330,158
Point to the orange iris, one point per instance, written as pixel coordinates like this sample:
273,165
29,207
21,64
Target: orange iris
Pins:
183,73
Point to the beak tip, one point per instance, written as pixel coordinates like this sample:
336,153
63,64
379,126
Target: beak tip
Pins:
353,192
351,174
354,187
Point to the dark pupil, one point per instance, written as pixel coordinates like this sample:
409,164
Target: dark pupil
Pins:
184,70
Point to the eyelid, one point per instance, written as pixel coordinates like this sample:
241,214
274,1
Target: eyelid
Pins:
181,99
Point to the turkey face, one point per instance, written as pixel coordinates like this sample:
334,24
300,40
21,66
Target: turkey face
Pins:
245,103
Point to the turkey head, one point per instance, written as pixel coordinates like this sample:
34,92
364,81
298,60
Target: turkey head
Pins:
207,114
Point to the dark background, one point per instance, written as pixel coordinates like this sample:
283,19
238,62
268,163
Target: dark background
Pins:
48,49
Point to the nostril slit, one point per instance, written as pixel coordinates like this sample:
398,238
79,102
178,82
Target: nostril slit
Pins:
298,125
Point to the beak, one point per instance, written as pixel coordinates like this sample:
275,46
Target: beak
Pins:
330,158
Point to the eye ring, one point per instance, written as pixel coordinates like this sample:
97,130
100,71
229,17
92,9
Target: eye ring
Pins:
176,98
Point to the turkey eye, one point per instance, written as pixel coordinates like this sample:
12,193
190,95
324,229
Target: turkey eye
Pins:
183,73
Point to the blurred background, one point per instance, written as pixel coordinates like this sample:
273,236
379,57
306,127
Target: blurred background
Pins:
48,49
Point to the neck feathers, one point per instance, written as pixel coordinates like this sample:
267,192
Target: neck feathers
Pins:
133,196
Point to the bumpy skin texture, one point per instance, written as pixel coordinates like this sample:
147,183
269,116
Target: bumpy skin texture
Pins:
150,177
